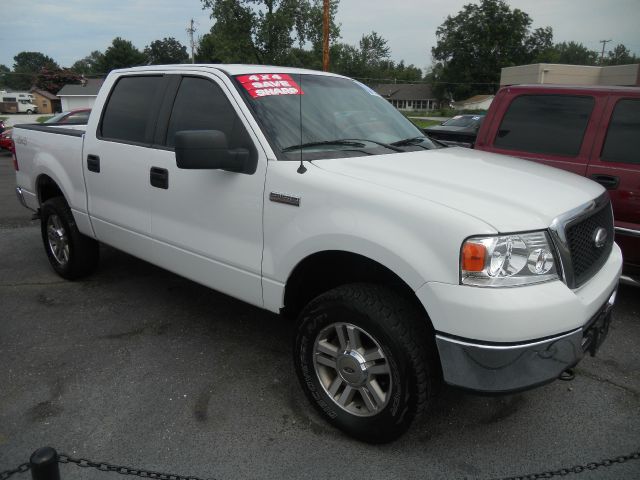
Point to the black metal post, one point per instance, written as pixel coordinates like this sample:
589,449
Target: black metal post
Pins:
44,464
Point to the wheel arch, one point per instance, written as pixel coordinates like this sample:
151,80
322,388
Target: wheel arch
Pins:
47,187
323,270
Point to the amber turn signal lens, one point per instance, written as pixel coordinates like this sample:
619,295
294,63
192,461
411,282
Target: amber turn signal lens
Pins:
473,255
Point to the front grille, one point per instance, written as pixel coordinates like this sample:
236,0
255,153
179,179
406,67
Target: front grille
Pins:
586,258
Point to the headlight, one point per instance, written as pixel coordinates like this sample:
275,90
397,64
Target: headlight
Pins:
507,260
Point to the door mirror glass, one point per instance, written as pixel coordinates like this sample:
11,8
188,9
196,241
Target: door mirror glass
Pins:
209,150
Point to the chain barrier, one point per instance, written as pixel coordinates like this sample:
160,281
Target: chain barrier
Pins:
122,470
25,467
576,469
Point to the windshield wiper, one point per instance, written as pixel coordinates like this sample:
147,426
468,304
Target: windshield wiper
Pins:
409,141
347,143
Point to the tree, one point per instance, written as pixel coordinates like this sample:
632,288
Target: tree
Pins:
263,31
313,22
366,61
166,51
373,49
89,65
53,80
620,55
121,54
5,73
571,53
231,37
33,62
474,45
25,68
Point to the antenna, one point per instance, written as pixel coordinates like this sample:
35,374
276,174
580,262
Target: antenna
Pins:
301,168
191,29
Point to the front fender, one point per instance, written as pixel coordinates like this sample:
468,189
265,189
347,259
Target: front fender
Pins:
417,240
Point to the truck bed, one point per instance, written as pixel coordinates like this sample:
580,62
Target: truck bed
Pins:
56,152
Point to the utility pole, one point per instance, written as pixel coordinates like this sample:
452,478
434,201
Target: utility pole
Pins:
191,29
325,36
603,42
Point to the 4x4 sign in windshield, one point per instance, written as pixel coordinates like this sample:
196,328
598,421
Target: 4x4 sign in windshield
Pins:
269,84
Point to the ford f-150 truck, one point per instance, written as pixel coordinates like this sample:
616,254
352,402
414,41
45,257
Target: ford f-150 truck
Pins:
404,264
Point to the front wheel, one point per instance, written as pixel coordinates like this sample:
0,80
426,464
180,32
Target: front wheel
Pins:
71,254
366,360
29,112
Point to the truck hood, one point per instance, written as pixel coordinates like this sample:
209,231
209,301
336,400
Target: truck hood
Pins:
507,193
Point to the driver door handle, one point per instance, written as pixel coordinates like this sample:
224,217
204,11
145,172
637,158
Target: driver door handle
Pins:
159,177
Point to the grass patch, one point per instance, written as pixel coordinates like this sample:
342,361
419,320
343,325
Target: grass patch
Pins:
43,118
425,123
3,118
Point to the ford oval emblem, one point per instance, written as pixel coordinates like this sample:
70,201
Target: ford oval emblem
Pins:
600,237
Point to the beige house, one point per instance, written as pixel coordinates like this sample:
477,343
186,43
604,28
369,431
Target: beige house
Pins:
45,101
538,73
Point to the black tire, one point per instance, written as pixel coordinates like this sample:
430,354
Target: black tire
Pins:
394,325
81,257
29,112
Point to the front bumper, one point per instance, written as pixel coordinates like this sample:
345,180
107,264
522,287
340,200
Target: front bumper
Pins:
502,368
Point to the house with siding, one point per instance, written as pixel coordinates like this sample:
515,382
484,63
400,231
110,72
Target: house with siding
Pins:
406,96
80,96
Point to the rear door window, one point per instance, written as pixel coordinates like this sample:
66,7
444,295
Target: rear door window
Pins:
127,115
547,124
623,133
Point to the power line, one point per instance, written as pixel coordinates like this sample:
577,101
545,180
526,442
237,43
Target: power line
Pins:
603,42
191,29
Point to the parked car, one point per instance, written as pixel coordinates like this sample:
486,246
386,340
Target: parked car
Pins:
305,193
460,130
6,142
589,130
79,116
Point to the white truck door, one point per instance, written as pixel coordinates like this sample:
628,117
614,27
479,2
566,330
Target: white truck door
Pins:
116,163
207,224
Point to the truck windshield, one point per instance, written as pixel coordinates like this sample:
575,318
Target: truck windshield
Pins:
315,116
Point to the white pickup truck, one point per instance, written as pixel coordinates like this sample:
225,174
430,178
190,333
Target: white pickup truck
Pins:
404,264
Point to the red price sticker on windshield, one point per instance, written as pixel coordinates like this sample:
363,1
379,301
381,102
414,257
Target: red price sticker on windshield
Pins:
269,84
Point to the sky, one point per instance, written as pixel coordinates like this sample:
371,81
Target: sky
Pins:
71,29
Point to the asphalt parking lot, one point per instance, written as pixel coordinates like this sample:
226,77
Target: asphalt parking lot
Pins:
139,367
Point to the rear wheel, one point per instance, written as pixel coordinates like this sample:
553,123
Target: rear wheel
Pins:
71,254
365,358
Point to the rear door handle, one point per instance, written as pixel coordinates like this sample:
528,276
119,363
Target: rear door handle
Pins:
159,177
93,163
609,182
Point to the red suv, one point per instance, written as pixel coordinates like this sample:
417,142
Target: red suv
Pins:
589,130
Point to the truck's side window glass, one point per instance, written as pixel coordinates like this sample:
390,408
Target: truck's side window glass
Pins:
552,124
126,116
202,105
623,133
